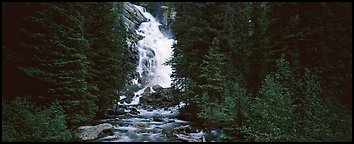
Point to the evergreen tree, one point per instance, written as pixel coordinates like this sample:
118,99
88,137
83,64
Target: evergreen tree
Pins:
108,53
58,59
212,84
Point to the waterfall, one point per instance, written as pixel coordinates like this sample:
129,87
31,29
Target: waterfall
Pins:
154,50
141,121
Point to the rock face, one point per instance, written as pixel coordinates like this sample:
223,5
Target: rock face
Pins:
132,18
93,132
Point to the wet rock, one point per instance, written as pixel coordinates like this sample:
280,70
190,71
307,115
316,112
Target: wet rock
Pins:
187,138
147,90
134,111
120,111
148,130
186,128
127,100
122,106
114,122
140,125
132,17
157,118
160,99
171,120
133,88
157,88
130,94
143,80
150,53
93,132
168,133
150,109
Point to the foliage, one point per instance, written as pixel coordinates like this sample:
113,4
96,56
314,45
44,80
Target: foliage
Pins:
273,117
212,82
259,41
23,121
74,53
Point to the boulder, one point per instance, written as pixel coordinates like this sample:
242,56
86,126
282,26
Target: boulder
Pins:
159,99
133,88
140,125
134,111
168,133
147,90
120,111
187,138
157,118
93,132
157,88
186,128
143,80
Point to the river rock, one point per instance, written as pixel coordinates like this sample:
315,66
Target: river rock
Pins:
187,138
168,133
120,111
140,125
186,128
160,99
133,87
134,111
158,119
93,132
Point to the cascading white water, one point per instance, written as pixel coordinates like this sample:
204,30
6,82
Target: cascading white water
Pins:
140,122
154,50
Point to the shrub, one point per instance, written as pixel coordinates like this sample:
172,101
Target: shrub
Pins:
23,121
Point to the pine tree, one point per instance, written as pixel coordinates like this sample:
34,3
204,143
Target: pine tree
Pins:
58,59
108,51
212,83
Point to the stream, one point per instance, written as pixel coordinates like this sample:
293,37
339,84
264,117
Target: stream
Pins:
143,123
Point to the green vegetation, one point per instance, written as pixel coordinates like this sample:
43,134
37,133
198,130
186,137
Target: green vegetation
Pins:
257,71
23,121
282,73
73,54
